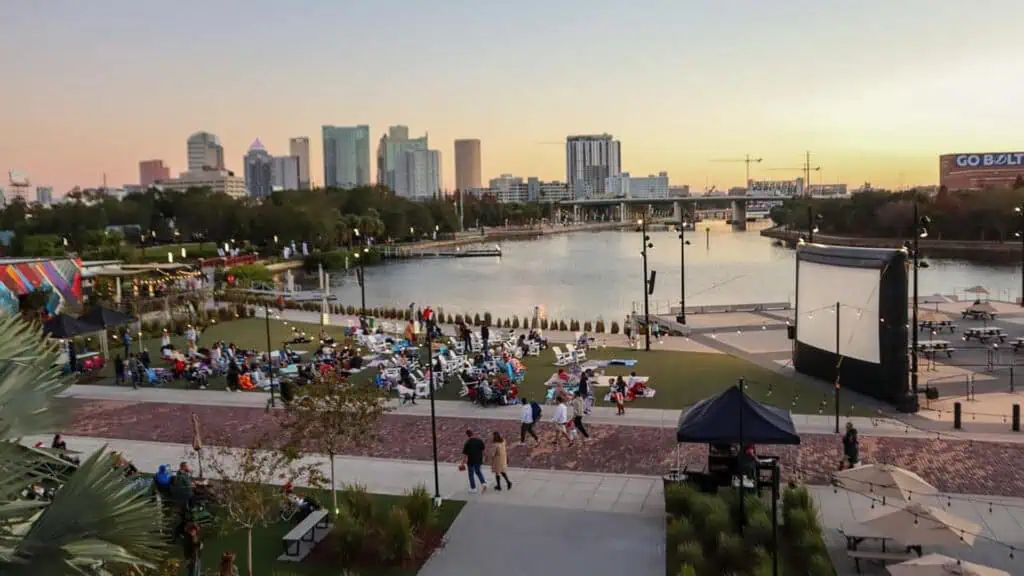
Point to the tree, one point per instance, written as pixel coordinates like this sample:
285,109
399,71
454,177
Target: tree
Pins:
95,521
329,414
245,485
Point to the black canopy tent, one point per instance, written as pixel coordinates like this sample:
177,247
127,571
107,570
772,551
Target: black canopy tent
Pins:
732,417
103,317
65,326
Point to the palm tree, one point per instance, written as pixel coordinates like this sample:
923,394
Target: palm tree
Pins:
95,522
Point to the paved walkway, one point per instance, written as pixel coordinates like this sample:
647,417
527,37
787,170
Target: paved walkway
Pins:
645,417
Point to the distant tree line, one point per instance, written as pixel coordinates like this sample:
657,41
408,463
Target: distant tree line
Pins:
325,219
985,215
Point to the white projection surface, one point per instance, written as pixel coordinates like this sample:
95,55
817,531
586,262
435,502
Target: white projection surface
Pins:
819,287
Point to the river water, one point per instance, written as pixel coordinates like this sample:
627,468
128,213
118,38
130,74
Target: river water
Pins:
590,275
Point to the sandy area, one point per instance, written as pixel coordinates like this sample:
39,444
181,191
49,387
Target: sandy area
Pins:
928,371
714,320
756,341
992,408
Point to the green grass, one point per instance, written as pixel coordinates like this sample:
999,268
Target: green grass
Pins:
246,333
684,378
266,544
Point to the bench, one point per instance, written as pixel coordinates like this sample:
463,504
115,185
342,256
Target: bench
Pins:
883,557
305,531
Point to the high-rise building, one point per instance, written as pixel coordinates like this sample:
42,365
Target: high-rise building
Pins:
467,164
205,152
285,172
152,171
589,161
44,195
623,185
258,170
391,161
422,175
299,148
346,156
218,181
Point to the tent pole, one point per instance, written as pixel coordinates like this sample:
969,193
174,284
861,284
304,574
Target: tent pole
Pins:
739,460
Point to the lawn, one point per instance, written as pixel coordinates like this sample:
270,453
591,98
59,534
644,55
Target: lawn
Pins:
683,378
267,546
246,333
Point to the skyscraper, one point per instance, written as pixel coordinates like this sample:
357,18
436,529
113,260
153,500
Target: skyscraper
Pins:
391,160
205,152
44,195
258,170
420,176
467,164
589,161
346,156
299,148
153,171
285,173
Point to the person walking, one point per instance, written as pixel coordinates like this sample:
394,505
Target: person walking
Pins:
561,421
583,391
619,393
485,335
530,416
118,370
851,447
472,459
499,461
193,550
577,416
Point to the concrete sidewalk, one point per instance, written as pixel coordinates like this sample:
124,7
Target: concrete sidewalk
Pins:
620,494
644,417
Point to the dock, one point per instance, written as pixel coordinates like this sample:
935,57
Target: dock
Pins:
401,253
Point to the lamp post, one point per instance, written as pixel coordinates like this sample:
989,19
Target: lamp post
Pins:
433,418
270,361
1020,234
920,231
683,243
646,243
361,272
812,223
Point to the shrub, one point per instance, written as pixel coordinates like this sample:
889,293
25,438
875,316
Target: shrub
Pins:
712,515
419,506
543,323
687,570
399,540
679,530
731,552
515,322
691,553
534,323
758,531
508,324
796,497
562,326
358,501
488,318
351,535
798,523
599,327
588,327
615,327
680,498
458,318
819,565
476,319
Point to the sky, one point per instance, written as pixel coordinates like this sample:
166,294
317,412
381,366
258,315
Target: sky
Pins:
874,89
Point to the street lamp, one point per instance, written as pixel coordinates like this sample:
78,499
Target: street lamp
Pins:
648,284
429,319
812,223
361,273
683,243
1020,234
920,231
270,360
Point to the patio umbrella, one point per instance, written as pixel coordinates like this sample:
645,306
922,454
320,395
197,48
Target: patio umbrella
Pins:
884,481
104,317
64,326
939,565
936,299
920,525
983,307
933,316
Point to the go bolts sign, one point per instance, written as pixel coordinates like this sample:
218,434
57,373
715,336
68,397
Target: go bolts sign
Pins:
990,160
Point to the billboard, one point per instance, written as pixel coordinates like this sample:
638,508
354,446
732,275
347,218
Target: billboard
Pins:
989,160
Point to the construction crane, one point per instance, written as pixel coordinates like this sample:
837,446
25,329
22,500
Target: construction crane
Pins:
747,160
806,170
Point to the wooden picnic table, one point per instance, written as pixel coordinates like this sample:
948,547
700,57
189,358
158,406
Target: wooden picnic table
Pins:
937,325
856,534
933,347
977,314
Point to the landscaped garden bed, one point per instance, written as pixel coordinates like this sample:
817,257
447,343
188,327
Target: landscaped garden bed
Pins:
703,536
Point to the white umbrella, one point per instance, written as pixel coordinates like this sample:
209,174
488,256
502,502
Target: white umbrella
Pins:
920,525
884,481
933,316
939,565
935,299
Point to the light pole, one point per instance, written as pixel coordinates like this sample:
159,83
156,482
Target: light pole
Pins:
433,418
646,243
1020,234
361,273
812,223
920,231
270,360
683,243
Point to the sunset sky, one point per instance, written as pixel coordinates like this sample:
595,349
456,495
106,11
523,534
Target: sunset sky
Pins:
875,89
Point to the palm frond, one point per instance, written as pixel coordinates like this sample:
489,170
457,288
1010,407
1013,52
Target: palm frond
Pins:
29,379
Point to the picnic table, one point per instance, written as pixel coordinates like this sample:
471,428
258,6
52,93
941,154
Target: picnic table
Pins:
933,347
937,325
976,313
1017,343
984,334
857,534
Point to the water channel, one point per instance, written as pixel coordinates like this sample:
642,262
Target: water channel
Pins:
590,275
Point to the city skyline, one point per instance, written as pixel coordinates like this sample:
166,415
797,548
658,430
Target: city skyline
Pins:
875,91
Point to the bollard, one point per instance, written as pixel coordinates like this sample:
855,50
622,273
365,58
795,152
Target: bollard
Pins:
1011,379
1015,425
956,416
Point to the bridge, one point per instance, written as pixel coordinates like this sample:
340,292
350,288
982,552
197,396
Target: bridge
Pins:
623,208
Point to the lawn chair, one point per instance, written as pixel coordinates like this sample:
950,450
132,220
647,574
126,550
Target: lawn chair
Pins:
577,354
561,358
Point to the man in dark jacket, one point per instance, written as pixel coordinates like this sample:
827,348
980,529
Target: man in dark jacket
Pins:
851,447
